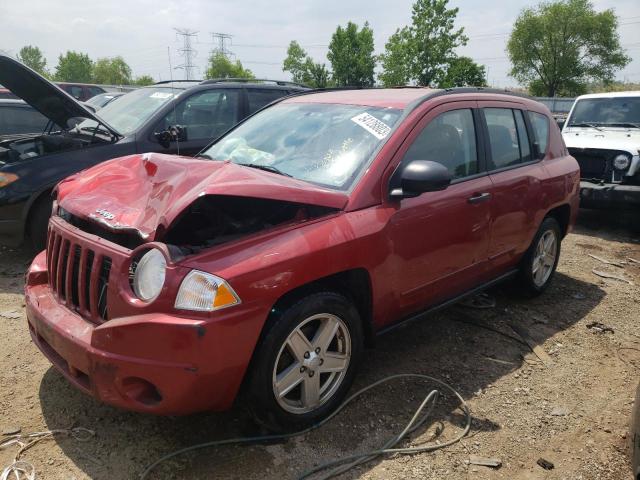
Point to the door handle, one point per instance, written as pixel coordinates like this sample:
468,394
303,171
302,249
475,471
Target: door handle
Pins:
479,197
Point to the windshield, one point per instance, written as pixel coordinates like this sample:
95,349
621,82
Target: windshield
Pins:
325,144
133,109
621,112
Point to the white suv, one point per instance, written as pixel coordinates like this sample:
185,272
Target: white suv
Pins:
602,132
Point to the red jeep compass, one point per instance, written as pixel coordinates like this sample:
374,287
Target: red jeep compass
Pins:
274,257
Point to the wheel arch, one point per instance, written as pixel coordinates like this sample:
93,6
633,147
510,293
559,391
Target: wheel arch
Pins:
562,214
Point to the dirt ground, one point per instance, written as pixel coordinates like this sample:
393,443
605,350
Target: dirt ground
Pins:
573,412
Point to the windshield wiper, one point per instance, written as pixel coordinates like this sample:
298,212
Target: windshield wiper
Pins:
204,155
267,168
98,130
584,124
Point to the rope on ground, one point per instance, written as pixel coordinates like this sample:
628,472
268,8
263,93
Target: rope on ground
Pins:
23,470
336,467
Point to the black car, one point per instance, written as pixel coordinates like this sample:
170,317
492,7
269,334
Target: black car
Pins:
171,117
17,117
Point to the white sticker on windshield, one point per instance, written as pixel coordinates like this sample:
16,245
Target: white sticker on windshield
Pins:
371,124
161,95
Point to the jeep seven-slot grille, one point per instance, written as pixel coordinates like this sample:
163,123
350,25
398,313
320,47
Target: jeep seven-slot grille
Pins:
78,276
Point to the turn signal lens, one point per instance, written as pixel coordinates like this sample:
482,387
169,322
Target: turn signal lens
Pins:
203,292
7,178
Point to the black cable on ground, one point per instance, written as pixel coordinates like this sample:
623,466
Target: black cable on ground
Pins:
344,464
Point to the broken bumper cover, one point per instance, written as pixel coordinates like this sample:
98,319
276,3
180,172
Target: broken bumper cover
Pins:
609,195
157,363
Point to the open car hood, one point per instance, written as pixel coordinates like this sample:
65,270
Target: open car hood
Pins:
50,100
147,192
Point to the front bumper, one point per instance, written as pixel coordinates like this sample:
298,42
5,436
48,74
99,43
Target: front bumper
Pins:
154,363
609,195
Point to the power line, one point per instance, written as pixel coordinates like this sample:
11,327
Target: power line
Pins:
187,51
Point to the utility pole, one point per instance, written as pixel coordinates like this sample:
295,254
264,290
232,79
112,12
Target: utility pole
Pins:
222,39
187,51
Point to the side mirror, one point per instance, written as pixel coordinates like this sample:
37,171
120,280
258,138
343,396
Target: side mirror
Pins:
560,122
420,176
174,133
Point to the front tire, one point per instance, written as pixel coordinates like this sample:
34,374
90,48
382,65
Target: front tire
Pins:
39,222
539,263
306,362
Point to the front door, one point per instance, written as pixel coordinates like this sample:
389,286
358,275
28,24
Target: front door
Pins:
204,116
440,239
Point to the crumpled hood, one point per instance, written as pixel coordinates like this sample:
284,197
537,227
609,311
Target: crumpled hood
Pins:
147,192
607,139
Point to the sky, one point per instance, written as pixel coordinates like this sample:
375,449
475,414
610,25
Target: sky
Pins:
142,31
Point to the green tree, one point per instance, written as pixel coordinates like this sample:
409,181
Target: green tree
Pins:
112,71
318,76
32,57
144,80
74,67
221,67
422,52
558,47
303,69
296,63
396,59
463,72
351,56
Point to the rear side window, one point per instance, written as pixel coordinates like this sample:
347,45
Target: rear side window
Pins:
260,98
540,124
507,137
449,139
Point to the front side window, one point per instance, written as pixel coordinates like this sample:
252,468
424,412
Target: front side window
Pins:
449,139
606,112
325,144
258,98
205,115
540,124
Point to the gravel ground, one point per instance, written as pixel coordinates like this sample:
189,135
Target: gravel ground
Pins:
573,412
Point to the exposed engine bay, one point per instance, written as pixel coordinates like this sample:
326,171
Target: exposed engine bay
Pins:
25,147
215,219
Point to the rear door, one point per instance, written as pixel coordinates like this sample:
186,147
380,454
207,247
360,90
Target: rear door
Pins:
440,239
516,182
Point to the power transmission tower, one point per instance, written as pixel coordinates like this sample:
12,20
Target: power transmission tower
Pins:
187,51
221,39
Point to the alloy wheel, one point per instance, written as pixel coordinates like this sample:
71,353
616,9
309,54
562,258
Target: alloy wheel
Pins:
312,363
544,258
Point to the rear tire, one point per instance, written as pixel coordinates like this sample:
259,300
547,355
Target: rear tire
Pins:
306,362
39,222
539,263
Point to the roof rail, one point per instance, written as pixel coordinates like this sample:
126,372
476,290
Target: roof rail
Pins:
176,81
485,90
282,83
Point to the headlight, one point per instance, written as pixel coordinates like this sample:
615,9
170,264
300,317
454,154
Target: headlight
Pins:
148,278
7,178
621,162
204,292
